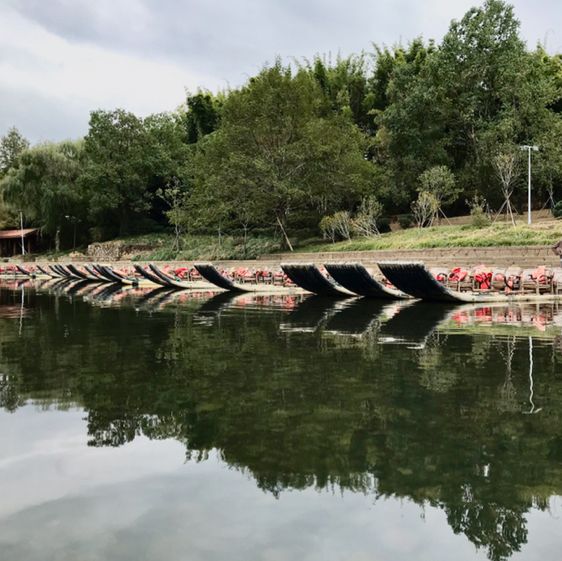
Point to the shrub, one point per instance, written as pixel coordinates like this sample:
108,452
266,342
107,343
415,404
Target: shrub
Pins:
557,210
342,223
336,226
365,222
425,209
327,227
384,224
479,216
405,221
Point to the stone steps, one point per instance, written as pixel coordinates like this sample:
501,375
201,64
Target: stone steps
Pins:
496,257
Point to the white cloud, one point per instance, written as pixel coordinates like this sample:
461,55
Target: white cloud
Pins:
44,66
62,58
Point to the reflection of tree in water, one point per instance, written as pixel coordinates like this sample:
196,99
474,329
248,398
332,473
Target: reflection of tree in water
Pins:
437,374
297,411
507,402
10,399
499,529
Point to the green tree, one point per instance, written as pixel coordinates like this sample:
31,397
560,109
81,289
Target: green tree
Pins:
279,153
12,144
409,137
440,182
343,87
128,160
44,184
202,115
176,197
116,171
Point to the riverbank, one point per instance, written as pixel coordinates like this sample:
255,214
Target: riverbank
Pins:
545,232
442,245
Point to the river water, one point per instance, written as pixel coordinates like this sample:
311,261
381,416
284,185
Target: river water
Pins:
157,426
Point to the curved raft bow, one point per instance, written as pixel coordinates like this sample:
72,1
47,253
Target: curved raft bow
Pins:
150,276
95,274
78,273
414,278
115,276
211,274
356,278
309,277
58,272
43,271
169,281
71,272
24,271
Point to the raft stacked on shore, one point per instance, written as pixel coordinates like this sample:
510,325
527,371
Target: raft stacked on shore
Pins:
414,280
399,280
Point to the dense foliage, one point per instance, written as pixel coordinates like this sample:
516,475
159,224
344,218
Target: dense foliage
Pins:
422,124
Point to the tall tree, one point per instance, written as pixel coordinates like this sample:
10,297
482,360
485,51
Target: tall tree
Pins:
202,116
12,144
409,137
483,91
279,153
44,185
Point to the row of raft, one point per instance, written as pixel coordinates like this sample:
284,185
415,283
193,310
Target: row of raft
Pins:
401,280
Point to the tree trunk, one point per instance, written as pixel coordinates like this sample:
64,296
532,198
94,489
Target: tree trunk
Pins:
245,227
177,240
124,224
287,240
57,240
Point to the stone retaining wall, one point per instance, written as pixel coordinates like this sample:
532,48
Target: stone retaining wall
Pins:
522,256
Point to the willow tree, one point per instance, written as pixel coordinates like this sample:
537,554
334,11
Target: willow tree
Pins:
44,184
277,153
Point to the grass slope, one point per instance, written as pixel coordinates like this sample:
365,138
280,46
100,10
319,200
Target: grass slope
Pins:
542,233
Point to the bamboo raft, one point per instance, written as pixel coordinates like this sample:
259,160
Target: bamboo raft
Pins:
399,281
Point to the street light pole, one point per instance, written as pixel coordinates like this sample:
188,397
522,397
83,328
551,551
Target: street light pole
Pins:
535,149
22,236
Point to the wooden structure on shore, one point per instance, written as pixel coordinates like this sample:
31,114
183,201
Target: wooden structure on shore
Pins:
11,241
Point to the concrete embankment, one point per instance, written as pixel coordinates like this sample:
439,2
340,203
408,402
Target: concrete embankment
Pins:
522,256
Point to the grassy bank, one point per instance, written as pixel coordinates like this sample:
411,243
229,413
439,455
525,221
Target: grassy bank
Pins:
543,233
200,247
160,246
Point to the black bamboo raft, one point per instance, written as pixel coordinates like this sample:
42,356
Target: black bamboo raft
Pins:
356,278
57,272
78,273
169,280
25,272
211,274
415,279
149,276
95,274
309,277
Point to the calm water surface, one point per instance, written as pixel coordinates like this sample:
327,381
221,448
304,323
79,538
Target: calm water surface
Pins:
156,426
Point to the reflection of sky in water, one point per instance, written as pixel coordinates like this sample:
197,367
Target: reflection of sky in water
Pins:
62,500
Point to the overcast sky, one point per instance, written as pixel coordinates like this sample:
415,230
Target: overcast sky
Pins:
59,59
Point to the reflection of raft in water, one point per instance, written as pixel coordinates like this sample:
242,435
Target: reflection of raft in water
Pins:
415,279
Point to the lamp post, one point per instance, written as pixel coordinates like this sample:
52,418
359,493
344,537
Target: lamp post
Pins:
73,220
22,236
534,148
